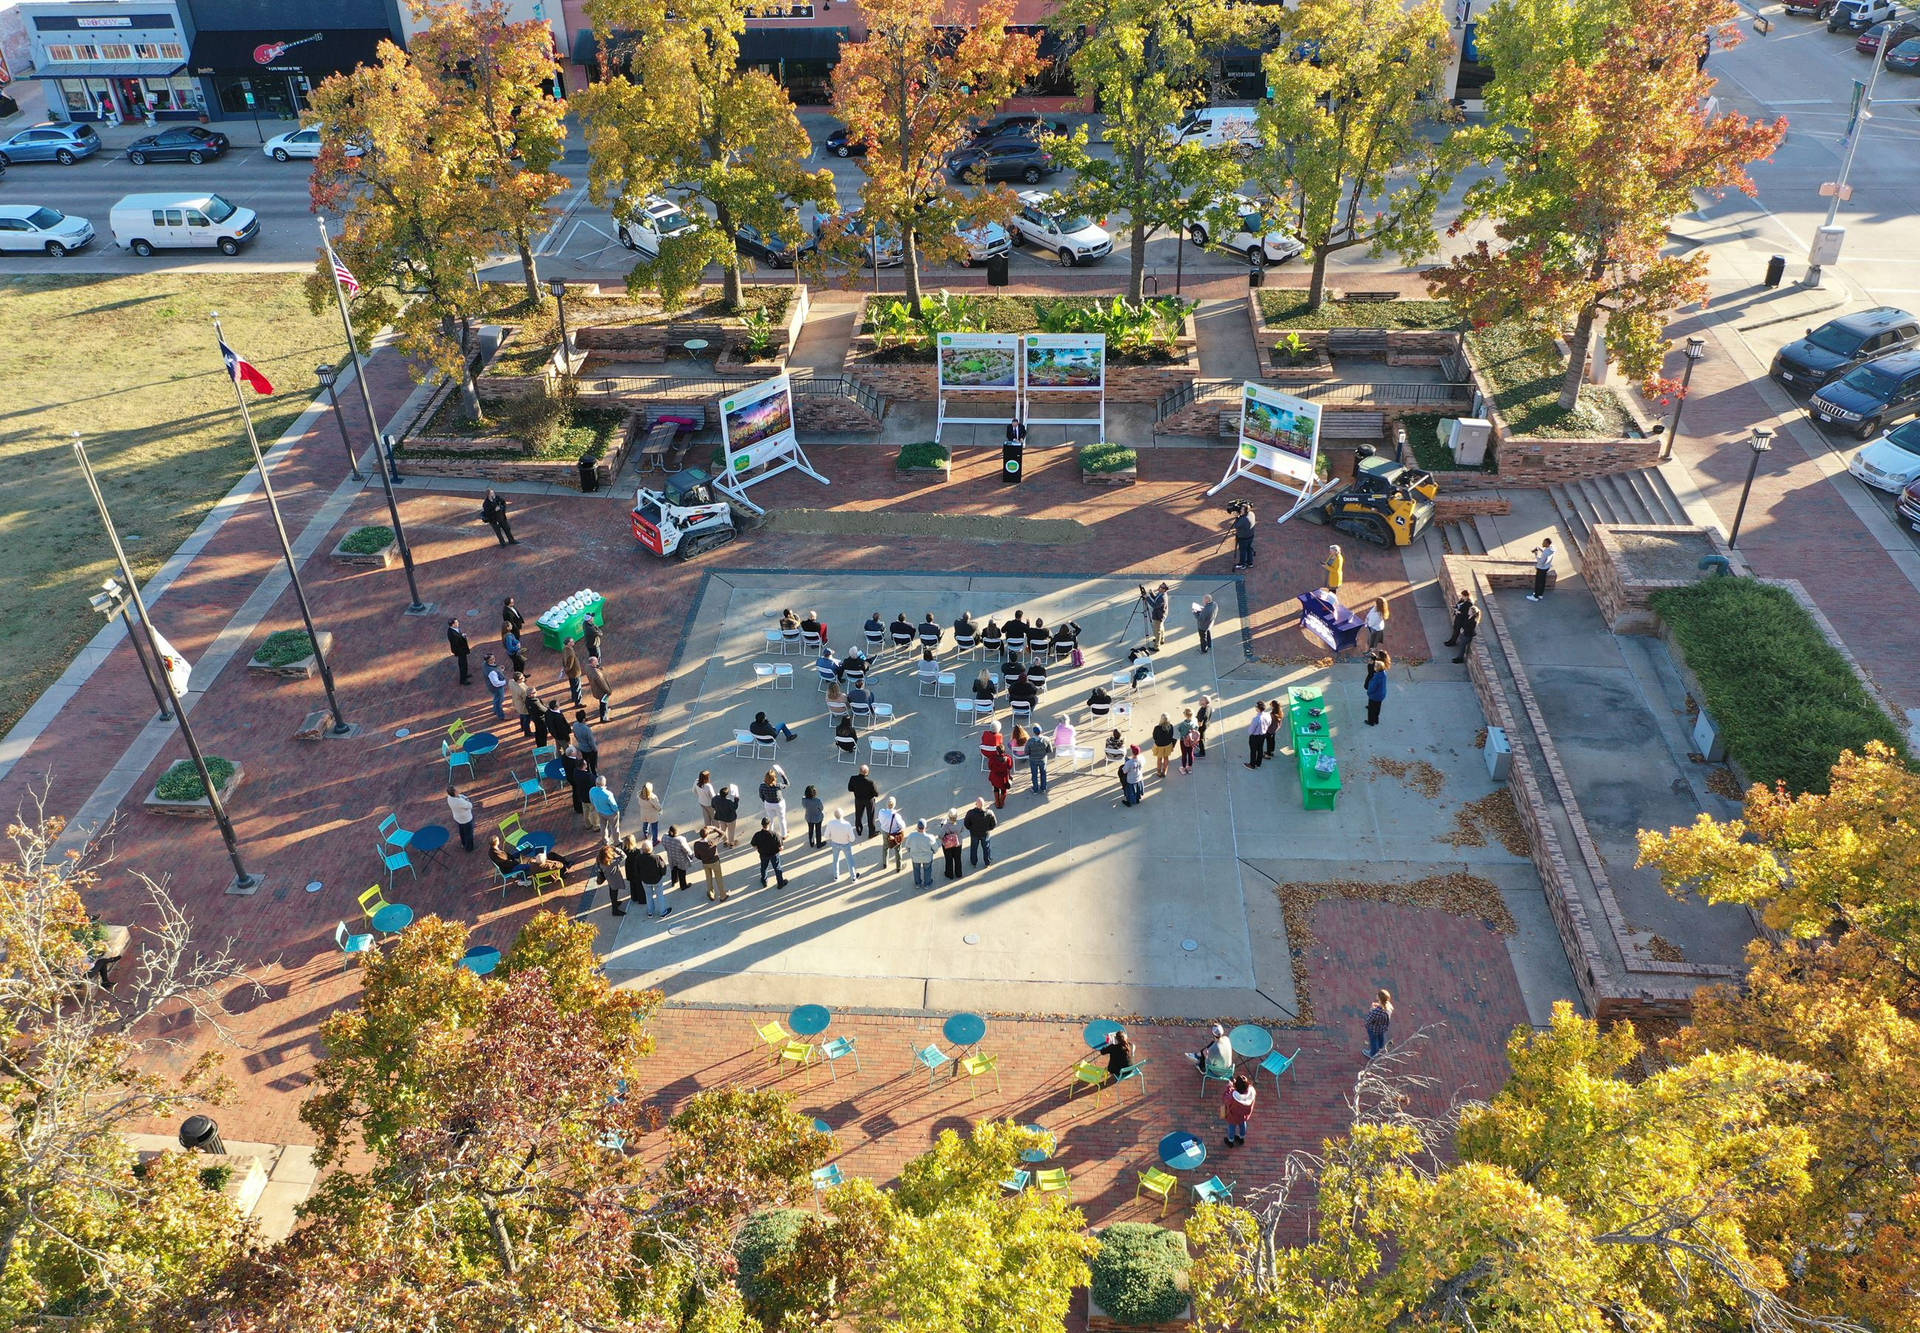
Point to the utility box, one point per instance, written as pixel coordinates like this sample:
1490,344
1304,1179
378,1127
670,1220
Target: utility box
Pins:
1825,251
1499,754
1708,740
1467,439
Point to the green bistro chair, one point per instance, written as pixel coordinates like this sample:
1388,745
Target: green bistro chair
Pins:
836,1049
1155,1181
1088,1075
1134,1073
392,834
1215,1073
529,788
1017,1182
394,860
1052,1178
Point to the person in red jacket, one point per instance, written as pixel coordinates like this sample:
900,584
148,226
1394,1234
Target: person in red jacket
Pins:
1236,1108
999,777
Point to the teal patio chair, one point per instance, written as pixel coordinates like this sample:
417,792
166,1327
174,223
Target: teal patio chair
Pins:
1278,1064
393,834
394,860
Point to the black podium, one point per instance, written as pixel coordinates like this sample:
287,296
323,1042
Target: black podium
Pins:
1013,462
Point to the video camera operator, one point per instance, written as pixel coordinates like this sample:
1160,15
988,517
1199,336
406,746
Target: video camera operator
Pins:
1156,604
1242,525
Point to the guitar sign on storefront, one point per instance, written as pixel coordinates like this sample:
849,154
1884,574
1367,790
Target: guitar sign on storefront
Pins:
268,52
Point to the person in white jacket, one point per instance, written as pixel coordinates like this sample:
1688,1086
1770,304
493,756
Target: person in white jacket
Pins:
840,843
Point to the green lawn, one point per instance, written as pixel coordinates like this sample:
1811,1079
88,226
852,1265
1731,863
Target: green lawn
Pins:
1525,372
129,362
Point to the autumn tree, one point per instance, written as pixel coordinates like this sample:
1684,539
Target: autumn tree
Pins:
1147,62
911,90
492,75
1600,144
686,120
1582,1198
1347,139
83,1235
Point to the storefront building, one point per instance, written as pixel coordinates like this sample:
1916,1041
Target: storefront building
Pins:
115,63
265,57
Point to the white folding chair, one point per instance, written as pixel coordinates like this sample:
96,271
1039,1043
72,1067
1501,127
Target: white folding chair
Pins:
782,675
845,753
763,675
930,681
902,754
965,646
810,642
963,712
1122,679
877,751
946,687
827,678
1022,712
1122,711
790,643
883,715
862,714
876,643
776,643
836,709
982,712
746,745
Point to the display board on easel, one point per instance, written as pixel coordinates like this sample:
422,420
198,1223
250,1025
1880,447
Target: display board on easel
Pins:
757,439
1062,363
972,366
1279,446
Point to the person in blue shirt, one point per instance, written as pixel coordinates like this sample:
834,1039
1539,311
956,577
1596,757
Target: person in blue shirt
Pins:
1379,661
827,664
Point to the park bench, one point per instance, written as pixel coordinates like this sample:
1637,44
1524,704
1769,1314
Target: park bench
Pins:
1368,343
1353,425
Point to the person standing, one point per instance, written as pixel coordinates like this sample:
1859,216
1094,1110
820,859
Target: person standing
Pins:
590,635
613,874
1257,735
597,682
815,810
1132,779
514,649
726,809
950,844
1379,1018
1377,622
461,808
518,688
840,843
584,738
680,858
497,684
1156,613
1377,672
999,777
980,824
704,793
864,792
607,806
1163,742
1201,717
457,645
922,846
1039,750
1466,624
1542,566
646,872
558,728
893,835
1243,537
767,843
580,782
773,799
1203,618
647,805
494,510
1335,568
706,850
570,663
1236,1108
1189,736
510,618
1274,714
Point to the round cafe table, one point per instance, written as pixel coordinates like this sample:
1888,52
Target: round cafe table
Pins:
1250,1042
544,841
1182,1151
965,1029
480,959
429,840
553,771
809,1020
393,918
481,742
1098,1031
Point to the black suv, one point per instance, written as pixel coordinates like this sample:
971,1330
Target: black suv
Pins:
1872,395
1010,158
773,251
1024,124
1837,346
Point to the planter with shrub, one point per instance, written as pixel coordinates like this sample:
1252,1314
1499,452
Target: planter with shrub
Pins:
1139,1279
1108,464
289,653
372,546
923,459
1295,359
763,1240
179,790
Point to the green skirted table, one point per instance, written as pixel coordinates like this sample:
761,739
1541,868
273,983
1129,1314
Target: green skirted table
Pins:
565,621
1311,723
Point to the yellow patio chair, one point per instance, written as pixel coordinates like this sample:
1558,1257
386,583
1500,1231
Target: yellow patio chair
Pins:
1155,1181
774,1038
1052,1178
977,1064
511,831
457,733
1089,1075
550,877
799,1053
372,901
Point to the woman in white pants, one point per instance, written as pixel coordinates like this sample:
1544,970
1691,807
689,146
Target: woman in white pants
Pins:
773,799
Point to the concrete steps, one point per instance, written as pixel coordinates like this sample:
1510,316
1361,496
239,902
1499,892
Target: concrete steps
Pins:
1639,497
1462,538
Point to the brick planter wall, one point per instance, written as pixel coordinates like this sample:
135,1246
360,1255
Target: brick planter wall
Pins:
648,343
555,472
1405,347
1539,462
1458,508
1624,600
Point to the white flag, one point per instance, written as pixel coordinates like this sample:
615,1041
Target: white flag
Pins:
179,670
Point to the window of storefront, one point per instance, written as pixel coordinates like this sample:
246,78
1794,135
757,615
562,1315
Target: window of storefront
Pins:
116,51
179,93
271,95
61,53
84,96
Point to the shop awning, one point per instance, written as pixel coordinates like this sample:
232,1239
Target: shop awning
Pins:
99,69
764,46
288,50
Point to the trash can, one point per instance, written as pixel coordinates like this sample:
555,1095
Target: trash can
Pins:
1012,462
1257,275
589,475
1776,269
997,271
198,1133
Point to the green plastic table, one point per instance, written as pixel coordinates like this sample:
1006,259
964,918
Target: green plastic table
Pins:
1318,791
555,636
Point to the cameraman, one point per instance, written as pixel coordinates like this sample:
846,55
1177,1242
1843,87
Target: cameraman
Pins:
1156,604
1242,525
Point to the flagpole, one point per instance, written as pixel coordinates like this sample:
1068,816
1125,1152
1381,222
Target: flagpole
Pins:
242,881
341,728
419,607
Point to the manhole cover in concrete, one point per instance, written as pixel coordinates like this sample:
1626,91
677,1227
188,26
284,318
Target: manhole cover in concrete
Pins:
314,886
473,610
955,757
403,733
1189,945
971,939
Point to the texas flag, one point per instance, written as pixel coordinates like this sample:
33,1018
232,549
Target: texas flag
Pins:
243,370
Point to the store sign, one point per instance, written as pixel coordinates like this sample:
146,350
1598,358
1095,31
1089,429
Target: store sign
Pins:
122,21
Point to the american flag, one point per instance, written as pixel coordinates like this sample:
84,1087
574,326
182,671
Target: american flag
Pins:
342,274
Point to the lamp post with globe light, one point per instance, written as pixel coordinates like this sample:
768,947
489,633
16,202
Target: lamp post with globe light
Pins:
1761,442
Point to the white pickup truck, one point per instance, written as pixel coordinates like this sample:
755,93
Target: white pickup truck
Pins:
1859,15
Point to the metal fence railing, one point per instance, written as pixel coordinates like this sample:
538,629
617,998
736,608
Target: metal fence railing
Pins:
1381,393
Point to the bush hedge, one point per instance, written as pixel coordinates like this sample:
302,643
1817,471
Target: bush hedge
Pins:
284,647
182,781
924,454
1107,456
764,1237
1286,309
369,540
1139,1273
1784,698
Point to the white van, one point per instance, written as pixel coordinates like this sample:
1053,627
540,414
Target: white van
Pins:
655,219
144,223
1218,127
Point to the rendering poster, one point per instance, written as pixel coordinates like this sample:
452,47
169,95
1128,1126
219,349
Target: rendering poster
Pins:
979,361
1066,361
757,424
1278,431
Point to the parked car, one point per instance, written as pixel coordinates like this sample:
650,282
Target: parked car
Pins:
1013,159
1910,505
1871,395
1905,57
887,252
1256,236
304,142
841,143
983,242
144,223
656,219
1217,127
182,143
42,230
1895,32
1859,15
1818,8
1837,346
65,144
1892,461
1025,125
773,251
1073,238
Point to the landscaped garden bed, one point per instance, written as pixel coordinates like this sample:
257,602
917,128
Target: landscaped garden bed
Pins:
180,792
1108,464
289,653
373,546
1785,699
1282,309
925,459
1523,374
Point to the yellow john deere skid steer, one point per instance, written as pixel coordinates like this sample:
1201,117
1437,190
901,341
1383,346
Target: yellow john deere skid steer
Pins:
1386,502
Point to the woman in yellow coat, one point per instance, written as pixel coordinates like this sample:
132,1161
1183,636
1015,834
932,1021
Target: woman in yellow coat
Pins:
1336,567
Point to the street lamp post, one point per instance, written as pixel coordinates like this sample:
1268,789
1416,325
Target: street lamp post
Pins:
1761,442
559,289
242,881
111,601
1696,348
328,374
